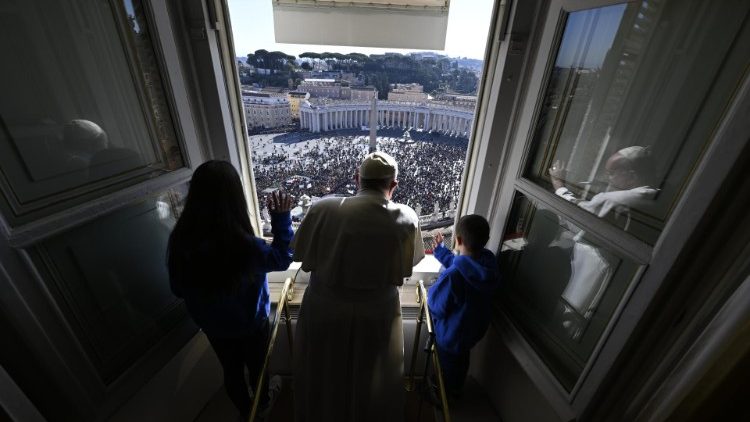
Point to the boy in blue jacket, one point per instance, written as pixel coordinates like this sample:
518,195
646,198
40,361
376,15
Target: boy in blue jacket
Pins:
459,301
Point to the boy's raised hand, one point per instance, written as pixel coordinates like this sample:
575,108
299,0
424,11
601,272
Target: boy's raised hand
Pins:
438,238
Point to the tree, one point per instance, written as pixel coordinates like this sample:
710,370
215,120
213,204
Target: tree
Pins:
439,75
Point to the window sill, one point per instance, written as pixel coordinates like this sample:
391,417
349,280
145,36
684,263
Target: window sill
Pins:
426,270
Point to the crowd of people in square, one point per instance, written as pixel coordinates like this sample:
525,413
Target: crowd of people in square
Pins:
322,165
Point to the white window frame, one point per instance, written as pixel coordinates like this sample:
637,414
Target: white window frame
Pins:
516,76
28,299
163,37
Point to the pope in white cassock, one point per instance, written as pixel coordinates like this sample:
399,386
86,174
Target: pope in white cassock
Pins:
349,346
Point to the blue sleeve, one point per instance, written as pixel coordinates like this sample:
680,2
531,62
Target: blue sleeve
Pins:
276,257
439,297
444,255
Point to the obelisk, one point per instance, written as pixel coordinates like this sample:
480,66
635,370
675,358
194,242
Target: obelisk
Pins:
374,123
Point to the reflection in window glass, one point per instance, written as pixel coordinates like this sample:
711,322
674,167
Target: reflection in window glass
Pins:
110,280
634,95
83,108
561,286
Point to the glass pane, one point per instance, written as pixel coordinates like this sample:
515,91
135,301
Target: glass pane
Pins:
635,93
561,286
83,109
109,278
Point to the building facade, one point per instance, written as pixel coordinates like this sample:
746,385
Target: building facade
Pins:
407,92
264,111
468,101
295,98
325,116
327,88
363,93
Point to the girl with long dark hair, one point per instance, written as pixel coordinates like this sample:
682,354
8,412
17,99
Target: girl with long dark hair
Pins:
219,267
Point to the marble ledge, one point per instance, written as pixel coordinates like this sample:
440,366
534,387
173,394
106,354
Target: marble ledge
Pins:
426,270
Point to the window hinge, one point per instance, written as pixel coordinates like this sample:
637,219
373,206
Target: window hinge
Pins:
198,32
517,45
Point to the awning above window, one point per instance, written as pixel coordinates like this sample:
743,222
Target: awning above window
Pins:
414,24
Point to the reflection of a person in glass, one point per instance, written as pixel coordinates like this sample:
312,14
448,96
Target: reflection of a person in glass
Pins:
627,172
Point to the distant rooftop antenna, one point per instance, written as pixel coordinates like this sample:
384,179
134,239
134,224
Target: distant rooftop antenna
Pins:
374,124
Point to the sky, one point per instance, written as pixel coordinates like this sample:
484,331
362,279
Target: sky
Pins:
468,23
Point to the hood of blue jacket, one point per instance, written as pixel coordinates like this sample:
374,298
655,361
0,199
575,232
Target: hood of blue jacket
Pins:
481,273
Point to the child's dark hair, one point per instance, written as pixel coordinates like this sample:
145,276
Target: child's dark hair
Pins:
474,231
209,244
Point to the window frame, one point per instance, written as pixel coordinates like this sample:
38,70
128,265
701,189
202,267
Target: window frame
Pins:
516,86
30,305
177,97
